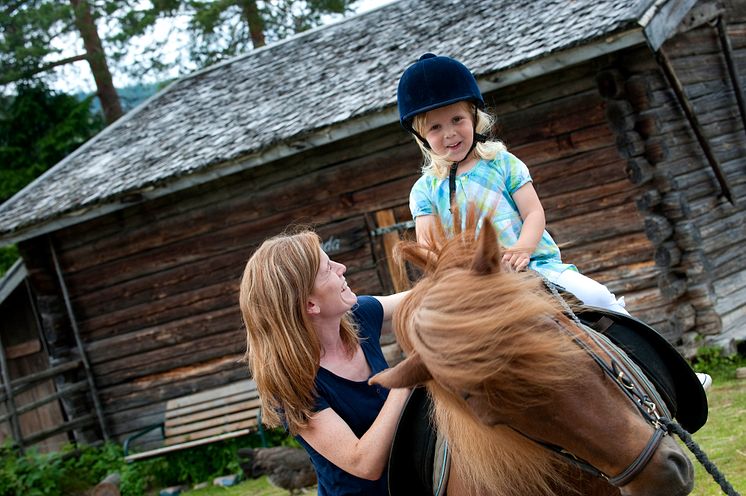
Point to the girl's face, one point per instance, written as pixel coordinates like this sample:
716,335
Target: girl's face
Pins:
450,131
330,292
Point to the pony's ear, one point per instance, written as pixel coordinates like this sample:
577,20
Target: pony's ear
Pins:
408,373
487,257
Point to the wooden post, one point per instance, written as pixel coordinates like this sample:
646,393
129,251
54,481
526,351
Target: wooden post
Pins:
686,106
399,277
732,71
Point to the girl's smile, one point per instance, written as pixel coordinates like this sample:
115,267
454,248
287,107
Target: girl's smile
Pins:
449,131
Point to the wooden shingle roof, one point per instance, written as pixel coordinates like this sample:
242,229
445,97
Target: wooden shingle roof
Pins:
313,88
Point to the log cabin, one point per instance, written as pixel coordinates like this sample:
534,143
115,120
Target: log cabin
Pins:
630,116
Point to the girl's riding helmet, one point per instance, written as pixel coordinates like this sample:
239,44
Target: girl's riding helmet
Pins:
433,82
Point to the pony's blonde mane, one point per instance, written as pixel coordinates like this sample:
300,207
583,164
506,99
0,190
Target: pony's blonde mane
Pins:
492,334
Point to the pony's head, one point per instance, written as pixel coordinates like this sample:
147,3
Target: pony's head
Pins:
489,344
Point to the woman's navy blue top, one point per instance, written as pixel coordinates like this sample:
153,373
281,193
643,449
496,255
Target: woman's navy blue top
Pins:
356,403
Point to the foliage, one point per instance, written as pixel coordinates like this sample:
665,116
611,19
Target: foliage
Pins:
75,470
27,29
38,128
710,359
8,256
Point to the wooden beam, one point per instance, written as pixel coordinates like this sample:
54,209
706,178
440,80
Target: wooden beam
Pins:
678,89
79,342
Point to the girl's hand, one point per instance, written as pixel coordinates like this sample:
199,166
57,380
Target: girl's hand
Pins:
516,259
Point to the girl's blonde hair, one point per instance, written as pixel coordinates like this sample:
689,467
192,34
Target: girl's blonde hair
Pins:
439,166
283,350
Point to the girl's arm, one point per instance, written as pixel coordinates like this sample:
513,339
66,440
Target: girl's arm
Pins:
529,206
423,226
365,457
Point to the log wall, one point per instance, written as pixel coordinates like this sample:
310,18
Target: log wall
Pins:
696,232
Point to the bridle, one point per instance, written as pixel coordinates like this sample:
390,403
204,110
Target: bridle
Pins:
636,387
631,381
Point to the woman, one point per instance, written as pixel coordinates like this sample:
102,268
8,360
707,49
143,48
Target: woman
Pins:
312,345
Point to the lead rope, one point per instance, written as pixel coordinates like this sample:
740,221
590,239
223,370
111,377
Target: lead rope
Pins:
672,426
702,458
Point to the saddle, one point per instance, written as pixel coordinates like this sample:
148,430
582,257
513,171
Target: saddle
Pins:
419,459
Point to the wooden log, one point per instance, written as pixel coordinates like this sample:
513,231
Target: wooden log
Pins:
657,228
163,360
687,236
156,388
595,226
620,116
647,200
647,125
109,486
564,145
684,318
672,287
656,151
606,254
630,144
639,171
675,206
709,322
610,84
667,254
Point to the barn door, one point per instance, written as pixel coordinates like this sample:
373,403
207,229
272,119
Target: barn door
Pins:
30,413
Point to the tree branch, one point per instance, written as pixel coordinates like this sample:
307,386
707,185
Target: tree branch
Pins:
43,68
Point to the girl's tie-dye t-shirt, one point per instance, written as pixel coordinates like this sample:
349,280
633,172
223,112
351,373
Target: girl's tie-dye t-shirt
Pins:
489,184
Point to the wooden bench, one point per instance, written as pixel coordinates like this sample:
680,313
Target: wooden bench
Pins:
205,417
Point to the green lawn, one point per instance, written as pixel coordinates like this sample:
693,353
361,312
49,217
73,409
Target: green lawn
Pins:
723,439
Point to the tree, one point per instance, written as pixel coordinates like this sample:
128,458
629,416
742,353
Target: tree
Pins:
220,29
27,49
38,128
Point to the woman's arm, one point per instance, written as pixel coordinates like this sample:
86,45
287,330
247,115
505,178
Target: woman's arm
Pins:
532,213
365,457
389,304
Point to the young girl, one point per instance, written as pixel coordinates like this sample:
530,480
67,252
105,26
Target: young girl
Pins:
441,105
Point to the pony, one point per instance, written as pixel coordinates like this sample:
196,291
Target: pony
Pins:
511,376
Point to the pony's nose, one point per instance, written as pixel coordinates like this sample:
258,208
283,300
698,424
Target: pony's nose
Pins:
681,471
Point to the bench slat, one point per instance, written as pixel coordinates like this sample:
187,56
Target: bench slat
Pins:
213,413
203,396
175,430
227,428
216,402
190,444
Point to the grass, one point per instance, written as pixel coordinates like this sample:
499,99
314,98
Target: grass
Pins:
723,437
256,487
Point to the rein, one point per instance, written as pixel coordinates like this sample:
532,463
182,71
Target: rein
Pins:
635,385
632,382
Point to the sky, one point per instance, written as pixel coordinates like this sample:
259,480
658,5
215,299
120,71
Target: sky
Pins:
74,78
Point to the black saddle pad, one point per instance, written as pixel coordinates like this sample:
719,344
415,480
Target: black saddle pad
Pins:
664,366
413,451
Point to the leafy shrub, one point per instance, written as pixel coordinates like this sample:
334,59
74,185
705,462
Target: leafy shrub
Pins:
710,359
73,470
